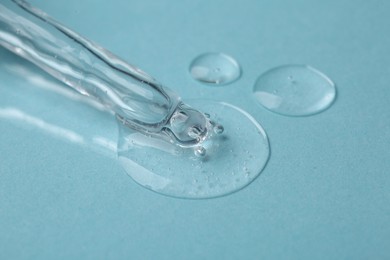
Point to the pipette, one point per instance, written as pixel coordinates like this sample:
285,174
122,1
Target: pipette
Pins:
217,159
137,99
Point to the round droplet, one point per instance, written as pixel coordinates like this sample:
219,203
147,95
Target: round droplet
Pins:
200,151
216,172
294,90
218,129
215,68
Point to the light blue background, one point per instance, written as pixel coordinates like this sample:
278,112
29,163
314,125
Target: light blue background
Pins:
323,195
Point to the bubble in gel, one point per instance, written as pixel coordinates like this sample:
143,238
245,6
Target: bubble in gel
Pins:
218,129
294,90
215,68
218,166
200,151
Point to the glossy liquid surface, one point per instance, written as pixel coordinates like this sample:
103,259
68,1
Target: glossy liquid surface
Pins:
215,69
294,90
234,158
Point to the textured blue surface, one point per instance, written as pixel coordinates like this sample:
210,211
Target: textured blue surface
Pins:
324,194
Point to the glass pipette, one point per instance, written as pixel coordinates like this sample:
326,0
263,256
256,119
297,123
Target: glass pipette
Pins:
138,100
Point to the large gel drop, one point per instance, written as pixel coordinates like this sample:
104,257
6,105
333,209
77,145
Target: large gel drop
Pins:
215,68
226,162
294,90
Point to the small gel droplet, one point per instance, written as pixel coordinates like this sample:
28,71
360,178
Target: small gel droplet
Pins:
294,90
215,68
218,129
200,151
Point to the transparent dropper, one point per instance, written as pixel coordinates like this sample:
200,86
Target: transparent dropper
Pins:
137,99
164,144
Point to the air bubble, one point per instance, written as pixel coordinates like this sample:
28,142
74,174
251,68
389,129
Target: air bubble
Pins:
200,151
218,129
